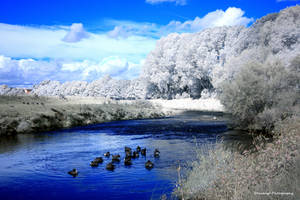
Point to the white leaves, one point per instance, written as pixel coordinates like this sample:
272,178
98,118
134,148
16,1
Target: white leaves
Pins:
182,65
181,62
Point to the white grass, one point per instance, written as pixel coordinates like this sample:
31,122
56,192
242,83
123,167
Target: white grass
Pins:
31,114
209,104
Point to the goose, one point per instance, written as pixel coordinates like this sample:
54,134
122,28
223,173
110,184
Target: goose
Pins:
73,172
94,164
127,161
110,166
143,152
116,158
149,165
127,149
128,154
98,160
156,153
135,154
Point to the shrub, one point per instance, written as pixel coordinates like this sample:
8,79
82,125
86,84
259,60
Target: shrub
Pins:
262,94
221,173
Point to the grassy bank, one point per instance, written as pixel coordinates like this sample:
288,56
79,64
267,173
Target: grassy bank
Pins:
32,114
270,170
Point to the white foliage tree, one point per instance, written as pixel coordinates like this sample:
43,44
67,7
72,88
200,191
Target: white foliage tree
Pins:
193,62
183,65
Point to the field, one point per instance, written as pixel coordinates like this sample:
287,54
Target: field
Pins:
31,114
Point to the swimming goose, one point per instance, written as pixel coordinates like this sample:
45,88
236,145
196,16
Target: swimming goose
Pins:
156,153
116,158
143,152
107,154
73,172
127,161
110,166
135,154
149,165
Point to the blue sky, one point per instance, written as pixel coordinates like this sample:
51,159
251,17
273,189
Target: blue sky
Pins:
85,39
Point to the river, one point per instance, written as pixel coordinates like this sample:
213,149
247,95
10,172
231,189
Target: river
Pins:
35,166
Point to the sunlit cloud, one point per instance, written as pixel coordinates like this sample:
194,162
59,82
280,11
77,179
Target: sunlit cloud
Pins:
231,17
76,33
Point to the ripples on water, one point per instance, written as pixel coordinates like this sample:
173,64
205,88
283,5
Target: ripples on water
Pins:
36,166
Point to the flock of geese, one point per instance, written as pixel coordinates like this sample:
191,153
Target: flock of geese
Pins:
129,155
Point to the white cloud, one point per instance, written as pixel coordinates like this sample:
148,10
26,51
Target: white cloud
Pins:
125,29
119,31
76,33
70,53
46,56
129,40
178,2
45,42
24,70
114,66
231,17
30,71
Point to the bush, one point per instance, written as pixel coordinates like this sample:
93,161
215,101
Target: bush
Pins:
262,94
221,173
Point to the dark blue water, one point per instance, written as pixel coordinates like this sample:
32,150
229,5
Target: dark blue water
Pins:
35,166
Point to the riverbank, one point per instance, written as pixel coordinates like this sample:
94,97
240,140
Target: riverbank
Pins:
176,106
34,114
268,170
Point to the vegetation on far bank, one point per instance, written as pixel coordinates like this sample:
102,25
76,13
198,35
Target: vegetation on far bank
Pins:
33,114
263,94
